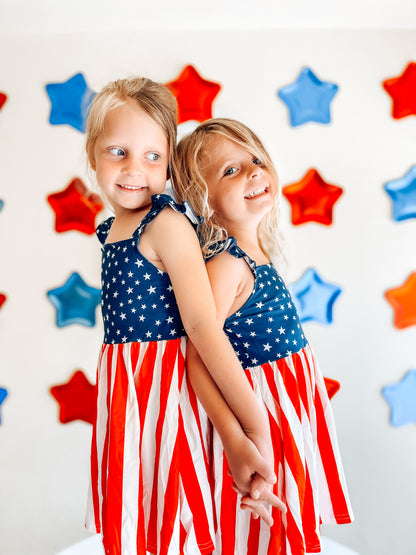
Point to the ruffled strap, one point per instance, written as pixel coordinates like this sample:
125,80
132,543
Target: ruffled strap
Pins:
230,245
159,202
103,229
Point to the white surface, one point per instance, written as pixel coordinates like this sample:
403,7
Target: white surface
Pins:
51,16
43,464
93,546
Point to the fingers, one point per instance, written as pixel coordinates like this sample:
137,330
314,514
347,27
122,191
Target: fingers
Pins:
257,511
269,498
258,487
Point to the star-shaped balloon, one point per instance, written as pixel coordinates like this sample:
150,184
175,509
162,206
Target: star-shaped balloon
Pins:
77,399
308,98
332,387
75,302
70,102
75,208
3,299
402,90
403,301
401,397
3,395
312,199
3,98
314,298
403,194
1,204
194,95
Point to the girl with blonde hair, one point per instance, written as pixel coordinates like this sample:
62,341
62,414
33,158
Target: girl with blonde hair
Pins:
150,487
227,176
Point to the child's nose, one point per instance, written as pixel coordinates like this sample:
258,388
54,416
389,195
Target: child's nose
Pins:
256,171
132,167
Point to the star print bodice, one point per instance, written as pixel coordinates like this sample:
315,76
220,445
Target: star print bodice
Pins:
138,303
267,326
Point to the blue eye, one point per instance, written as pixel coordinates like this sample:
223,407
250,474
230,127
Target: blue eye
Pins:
117,151
153,156
230,171
257,162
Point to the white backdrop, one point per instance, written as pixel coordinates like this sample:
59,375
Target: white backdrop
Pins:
44,464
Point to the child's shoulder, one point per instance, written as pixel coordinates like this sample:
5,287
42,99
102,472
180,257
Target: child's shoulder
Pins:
177,210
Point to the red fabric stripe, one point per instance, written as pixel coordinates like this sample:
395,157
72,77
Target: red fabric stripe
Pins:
228,512
291,386
329,462
117,419
301,379
276,536
253,537
193,493
168,363
171,501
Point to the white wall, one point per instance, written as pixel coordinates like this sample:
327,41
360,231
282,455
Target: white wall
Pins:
43,464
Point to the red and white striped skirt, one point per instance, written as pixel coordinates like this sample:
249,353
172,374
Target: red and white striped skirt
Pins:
149,478
310,477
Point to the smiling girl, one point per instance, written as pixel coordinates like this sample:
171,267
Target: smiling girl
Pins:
227,176
150,488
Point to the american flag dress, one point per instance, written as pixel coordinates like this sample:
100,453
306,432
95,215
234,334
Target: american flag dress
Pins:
267,336
150,489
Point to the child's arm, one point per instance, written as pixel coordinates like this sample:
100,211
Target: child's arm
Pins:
175,243
242,456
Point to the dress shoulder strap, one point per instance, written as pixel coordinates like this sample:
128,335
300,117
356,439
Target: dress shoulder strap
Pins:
230,245
159,202
103,229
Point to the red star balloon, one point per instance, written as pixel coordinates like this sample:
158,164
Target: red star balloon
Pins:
332,387
194,94
3,99
402,90
77,399
2,299
403,301
312,199
75,208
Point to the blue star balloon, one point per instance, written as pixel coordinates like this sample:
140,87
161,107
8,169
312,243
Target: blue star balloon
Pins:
75,302
401,397
308,98
3,395
1,204
403,194
70,102
314,298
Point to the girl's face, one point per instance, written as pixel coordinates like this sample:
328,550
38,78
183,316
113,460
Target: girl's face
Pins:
240,188
130,159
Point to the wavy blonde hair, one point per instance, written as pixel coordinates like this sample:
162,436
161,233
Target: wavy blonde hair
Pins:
151,97
191,186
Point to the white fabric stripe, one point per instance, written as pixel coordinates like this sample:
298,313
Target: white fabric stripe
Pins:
131,463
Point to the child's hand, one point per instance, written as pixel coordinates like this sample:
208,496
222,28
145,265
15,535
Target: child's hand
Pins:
244,461
261,496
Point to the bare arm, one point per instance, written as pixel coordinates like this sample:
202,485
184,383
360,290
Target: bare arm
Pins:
180,253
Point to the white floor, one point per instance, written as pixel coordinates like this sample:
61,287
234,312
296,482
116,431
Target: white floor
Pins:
93,546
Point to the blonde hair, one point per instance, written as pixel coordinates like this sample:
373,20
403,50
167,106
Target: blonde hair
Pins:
191,186
151,97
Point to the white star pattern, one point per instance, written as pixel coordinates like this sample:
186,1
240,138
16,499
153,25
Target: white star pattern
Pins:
264,318
123,264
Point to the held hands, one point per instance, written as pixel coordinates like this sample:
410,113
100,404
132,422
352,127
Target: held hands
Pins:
247,468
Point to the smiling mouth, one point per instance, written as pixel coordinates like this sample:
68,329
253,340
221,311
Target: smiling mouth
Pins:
257,192
130,187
